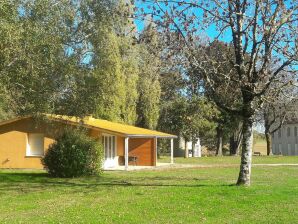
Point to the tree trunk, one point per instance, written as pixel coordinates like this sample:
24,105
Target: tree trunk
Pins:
186,149
269,143
235,141
246,155
238,143
267,134
219,141
232,145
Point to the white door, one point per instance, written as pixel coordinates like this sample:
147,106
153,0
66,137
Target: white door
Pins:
110,155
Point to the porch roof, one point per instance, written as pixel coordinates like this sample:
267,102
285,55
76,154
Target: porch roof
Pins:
112,127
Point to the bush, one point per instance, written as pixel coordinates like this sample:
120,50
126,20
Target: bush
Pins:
73,154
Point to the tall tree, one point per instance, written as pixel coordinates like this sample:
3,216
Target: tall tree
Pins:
149,81
112,59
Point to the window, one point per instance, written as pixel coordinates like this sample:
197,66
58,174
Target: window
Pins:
295,131
288,131
35,144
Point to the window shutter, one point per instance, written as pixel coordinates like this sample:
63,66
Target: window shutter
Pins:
36,144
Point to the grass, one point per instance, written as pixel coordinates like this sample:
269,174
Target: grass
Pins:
228,160
205,195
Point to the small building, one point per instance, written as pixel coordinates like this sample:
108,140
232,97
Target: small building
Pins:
24,141
285,140
181,146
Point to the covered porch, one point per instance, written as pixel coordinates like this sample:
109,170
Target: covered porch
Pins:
133,152
130,156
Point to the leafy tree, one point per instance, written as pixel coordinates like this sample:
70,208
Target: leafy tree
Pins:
131,71
109,76
107,34
149,81
34,65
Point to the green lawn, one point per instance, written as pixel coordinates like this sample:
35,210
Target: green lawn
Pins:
204,195
227,160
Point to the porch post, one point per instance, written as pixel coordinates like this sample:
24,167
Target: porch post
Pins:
126,152
172,151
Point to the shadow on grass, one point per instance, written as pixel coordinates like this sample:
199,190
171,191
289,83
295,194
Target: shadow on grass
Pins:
29,182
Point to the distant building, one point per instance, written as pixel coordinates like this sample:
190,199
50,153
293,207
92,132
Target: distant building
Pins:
180,148
285,140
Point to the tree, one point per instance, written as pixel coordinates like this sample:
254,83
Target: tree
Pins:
261,32
35,67
274,112
109,76
273,115
149,81
216,51
106,34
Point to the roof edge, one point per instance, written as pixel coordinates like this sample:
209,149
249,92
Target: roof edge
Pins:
4,122
54,118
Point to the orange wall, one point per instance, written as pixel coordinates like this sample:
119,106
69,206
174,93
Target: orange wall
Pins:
13,151
144,150
120,146
13,140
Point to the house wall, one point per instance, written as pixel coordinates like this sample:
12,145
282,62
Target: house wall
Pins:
13,140
284,144
120,146
144,149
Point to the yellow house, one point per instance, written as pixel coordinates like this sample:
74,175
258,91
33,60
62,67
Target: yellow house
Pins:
24,140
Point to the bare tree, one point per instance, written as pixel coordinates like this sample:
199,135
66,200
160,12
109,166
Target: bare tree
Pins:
261,33
275,112
274,117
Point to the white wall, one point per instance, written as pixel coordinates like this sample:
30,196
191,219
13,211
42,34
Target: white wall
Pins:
197,152
285,142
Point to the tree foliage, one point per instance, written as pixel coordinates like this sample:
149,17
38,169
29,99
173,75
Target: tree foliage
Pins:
149,82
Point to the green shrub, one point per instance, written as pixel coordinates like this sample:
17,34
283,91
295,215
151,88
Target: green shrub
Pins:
73,154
